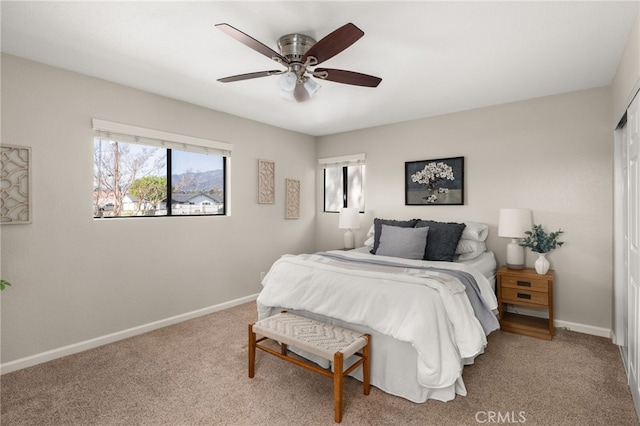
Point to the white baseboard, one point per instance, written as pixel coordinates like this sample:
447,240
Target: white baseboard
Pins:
36,359
583,328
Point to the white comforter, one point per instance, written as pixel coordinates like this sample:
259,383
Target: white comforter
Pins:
428,310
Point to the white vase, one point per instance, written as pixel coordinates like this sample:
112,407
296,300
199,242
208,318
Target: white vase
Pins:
542,264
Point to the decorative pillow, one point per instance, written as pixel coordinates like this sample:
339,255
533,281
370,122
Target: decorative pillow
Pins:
377,223
475,231
443,239
409,243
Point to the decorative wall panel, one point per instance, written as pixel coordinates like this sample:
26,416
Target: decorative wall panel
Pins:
293,199
266,182
15,185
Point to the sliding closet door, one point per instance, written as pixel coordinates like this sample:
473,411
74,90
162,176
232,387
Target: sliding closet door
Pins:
620,243
633,244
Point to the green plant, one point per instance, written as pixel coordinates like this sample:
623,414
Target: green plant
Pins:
541,242
3,284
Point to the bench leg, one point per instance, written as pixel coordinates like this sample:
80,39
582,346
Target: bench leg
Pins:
252,351
366,365
337,386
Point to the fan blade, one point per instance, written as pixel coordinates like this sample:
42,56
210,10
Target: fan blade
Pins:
348,77
300,94
249,75
334,43
251,42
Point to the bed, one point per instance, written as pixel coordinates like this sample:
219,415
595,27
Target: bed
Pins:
427,318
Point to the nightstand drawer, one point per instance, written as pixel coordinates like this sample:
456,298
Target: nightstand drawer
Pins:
521,296
524,283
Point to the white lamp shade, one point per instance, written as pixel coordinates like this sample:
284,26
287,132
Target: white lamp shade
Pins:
349,218
288,81
311,86
514,222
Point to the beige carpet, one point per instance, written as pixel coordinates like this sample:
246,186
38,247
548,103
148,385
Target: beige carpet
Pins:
195,373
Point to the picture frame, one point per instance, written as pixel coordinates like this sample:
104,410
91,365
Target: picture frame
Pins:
438,182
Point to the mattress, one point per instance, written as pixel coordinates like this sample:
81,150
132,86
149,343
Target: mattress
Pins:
486,264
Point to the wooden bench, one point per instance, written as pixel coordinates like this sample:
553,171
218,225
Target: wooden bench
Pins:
324,340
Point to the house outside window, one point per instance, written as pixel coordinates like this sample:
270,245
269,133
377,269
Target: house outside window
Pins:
343,182
141,172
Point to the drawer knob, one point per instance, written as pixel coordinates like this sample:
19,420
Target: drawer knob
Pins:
524,296
523,283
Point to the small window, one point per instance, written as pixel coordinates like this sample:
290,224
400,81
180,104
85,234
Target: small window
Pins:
343,184
132,178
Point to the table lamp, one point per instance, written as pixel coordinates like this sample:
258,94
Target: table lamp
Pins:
512,224
349,219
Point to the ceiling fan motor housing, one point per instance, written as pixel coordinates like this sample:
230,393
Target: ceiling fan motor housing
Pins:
294,46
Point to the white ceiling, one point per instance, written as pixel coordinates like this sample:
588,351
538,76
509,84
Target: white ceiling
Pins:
434,57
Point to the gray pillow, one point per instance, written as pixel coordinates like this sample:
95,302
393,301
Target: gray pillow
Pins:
377,226
408,243
443,239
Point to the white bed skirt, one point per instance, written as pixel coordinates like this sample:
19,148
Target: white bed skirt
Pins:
393,363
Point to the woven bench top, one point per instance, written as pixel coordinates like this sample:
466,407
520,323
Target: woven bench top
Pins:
316,337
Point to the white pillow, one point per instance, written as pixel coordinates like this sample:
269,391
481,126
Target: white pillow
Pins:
370,237
408,243
469,249
470,246
469,256
475,231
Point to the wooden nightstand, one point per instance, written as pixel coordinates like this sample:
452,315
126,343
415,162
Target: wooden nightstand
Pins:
525,288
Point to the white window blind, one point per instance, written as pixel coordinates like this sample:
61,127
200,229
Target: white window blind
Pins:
343,161
133,134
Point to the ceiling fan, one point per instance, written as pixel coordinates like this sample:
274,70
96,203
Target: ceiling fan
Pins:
300,53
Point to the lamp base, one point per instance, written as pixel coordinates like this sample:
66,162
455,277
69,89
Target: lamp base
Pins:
517,267
349,240
515,254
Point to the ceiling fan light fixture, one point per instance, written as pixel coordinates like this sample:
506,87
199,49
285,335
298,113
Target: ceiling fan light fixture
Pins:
287,95
287,81
311,86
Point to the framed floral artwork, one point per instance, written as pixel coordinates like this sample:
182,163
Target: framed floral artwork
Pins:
434,182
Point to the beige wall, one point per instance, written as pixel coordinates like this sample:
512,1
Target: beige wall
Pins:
627,79
552,154
75,278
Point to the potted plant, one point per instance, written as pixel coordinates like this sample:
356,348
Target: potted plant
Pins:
4,284
542,243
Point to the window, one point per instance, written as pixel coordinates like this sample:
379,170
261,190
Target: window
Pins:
141,172
343,182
